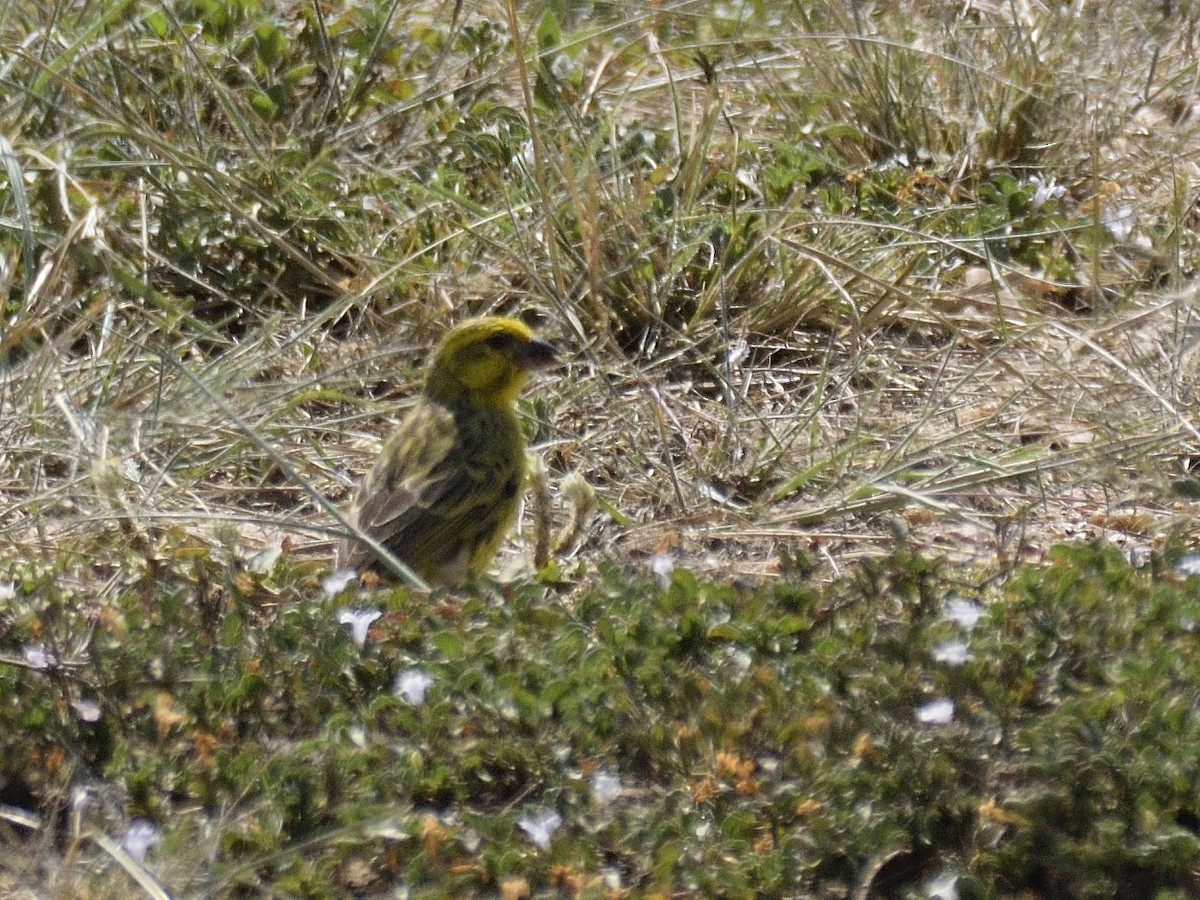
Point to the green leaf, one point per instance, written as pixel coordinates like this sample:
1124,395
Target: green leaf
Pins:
262,104
549,32
270,44
449,644
157,23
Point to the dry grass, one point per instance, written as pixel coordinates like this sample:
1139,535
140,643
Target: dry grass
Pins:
743,366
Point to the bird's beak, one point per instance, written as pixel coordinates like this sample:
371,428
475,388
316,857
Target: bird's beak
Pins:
537,354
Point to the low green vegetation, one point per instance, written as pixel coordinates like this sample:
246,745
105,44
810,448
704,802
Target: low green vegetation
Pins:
693,738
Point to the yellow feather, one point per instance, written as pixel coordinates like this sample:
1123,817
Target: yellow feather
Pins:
444,492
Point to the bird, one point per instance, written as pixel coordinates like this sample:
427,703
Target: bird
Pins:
445,490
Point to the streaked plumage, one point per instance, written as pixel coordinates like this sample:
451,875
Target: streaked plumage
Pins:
445,490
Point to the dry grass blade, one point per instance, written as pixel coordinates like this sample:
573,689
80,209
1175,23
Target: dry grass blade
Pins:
136,871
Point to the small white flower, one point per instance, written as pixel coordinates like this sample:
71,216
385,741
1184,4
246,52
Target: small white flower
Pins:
952,653
38,656
540,825
87,710
662,566
359,621
337,582
741,661
81,796
1043,191
1188,564
470,839
411,685
942,887
1120,222
748,178
8,590
139,837
1139,557
936,712
963,613
606,787
262,562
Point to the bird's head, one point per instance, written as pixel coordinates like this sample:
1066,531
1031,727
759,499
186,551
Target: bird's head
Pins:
486,361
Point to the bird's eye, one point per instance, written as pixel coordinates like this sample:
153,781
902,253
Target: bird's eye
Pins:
500,341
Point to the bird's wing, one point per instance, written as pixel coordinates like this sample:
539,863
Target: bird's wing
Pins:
428,496
411,473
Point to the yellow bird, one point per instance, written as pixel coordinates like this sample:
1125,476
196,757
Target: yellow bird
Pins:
444,492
